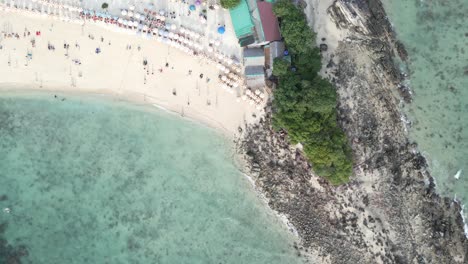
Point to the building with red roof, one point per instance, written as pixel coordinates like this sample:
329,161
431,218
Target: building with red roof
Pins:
269,21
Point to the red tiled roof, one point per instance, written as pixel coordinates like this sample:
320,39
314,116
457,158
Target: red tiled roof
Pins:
269,21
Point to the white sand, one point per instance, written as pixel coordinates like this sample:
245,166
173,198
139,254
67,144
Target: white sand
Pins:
116,70
321,22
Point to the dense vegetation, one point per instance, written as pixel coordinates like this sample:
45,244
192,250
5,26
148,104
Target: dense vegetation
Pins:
228,4
305,103
105,5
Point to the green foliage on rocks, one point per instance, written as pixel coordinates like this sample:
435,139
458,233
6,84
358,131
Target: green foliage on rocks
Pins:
305,103
228,4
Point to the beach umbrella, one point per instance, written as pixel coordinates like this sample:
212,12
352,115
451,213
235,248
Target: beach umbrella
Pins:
137,16
161,12
210,49
235,85
173,27
182,30
124,12
221,30
166,34
145,28
248,92
155,30
262,95
120,20
257,92
192,7
161,32
198,2
244,98
130,14
162,18
171,35
132,7
224,78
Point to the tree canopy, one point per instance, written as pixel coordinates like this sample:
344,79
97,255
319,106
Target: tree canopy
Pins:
280,66
229,4
305,103
104,5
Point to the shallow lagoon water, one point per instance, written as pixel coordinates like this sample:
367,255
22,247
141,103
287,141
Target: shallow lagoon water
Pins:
436,37
92,180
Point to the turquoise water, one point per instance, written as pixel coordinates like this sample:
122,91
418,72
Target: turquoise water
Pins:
435,32
92,180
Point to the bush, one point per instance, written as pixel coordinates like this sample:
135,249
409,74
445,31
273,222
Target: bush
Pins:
280,66
105,5
229,4
305,103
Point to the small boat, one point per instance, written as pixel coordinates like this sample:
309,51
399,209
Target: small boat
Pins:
7,210
457,175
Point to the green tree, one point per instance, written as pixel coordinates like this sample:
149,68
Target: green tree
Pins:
280,66
304,103
105,5
285,9
229,4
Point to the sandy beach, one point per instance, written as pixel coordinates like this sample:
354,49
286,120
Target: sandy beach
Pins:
170,79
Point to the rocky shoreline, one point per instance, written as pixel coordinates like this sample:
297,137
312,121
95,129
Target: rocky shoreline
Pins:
390,211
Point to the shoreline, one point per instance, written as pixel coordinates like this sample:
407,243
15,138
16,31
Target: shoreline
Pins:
119,71
136,100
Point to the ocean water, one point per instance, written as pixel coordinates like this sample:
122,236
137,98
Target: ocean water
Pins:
435,33
94,180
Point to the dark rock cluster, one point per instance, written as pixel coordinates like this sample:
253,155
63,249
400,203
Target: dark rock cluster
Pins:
10,254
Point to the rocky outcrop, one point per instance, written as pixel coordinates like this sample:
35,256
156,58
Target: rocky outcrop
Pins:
389,212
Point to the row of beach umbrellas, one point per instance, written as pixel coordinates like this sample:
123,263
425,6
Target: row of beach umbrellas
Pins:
187,40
